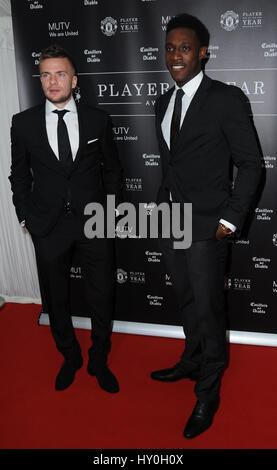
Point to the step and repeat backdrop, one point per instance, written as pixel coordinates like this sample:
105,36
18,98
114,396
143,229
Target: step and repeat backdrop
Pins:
118,47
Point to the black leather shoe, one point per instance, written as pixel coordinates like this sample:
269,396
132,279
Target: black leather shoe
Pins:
67,372
105,377
201,418
173,374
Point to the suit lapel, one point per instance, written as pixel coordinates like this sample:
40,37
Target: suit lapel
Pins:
81,119
163,105
52,161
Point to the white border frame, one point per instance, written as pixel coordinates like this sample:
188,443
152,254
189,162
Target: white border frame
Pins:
169,331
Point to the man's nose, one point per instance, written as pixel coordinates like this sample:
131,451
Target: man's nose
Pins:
53,79
177,54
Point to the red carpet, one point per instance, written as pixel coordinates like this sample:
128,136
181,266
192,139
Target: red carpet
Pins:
144,414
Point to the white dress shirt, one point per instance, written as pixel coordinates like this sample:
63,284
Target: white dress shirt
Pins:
189,89
71,120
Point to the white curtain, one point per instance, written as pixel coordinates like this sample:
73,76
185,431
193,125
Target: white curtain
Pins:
18,274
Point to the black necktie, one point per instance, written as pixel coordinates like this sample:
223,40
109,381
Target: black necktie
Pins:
65,154
176,117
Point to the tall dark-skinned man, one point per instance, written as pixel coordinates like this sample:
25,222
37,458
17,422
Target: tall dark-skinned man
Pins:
202,127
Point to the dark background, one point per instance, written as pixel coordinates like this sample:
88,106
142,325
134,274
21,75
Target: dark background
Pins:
123,73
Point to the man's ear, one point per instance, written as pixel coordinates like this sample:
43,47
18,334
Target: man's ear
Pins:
202,52
74,81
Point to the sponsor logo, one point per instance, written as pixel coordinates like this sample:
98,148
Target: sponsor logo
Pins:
274,287
121,133
274,239
92,55
229,20
137,277
134,277
252,19
76,272
133,184
258,307
269,49
151,159
168,281
35,5
128,25
264,214
239,284
269,162
153,256
121,276
108,26
88,3
149,53
61,29
261,263
155,300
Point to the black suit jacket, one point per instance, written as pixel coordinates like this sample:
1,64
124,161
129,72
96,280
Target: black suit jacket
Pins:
216,131
41,186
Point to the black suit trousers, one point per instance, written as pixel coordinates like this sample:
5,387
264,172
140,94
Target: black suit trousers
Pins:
198,277
54,253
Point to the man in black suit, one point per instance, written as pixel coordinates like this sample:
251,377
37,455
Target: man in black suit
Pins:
202,126
64,157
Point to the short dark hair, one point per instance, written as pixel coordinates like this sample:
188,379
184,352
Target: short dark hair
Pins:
185,20
55,51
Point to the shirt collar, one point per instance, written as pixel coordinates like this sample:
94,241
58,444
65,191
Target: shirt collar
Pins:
190,87
71,106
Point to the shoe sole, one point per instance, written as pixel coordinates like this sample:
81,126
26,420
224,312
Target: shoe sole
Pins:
93,374
59,389
191,377
192,435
